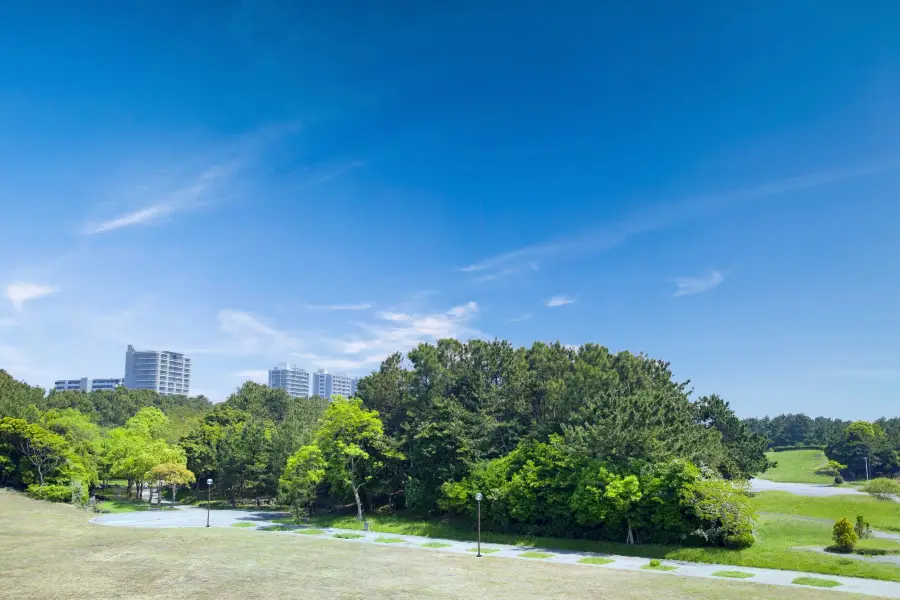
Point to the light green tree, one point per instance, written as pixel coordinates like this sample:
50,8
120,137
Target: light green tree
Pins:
172,474
354,447
304,471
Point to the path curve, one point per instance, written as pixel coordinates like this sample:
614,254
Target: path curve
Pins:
196,517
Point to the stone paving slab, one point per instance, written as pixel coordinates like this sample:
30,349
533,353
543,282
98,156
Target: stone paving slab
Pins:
196,517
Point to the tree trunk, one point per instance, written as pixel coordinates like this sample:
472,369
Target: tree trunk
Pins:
630,534
358,503
173,495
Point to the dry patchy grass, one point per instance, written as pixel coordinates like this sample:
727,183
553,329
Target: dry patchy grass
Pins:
50,551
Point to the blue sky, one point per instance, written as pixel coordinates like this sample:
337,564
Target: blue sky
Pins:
260,182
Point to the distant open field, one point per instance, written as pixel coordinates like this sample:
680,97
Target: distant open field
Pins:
797,466
51,551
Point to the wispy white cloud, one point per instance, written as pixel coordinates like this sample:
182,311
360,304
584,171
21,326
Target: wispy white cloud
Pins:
659,217
21,292
519,319
248,335
886,373
338,307
187,194
393,334
257,375
697,285
559,301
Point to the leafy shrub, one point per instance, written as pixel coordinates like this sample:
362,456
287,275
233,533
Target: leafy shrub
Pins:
862,528
883,488
833,468
844,535
51,493
655,562
739,541
838,480
872,551
835,549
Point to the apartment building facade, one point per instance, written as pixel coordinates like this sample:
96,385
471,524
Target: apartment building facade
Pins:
163,371
290,378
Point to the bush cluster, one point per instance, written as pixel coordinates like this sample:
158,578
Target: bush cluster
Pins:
50,492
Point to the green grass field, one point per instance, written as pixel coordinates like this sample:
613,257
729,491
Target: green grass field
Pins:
797,466
882,514
51,551
781,535
733,574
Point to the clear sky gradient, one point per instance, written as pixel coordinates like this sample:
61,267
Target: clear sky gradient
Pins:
715,184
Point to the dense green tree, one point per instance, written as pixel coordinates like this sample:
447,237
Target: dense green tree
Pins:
745,451
861,443
305,470
31,452
353,447
18,399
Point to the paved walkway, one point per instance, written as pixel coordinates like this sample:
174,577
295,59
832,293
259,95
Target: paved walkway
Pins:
804,489
196,517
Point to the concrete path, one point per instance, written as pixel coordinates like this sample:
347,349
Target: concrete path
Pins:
196,517
805,489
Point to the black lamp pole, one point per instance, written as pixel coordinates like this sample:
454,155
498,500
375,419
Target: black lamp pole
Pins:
478,499
208,499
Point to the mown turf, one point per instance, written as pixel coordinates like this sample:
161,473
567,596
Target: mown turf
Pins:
309,531
51,551
596,560
797,466
881,514
389,540
733,574
538,555
659,567
243,524
484,550
816,582
436,545
348,536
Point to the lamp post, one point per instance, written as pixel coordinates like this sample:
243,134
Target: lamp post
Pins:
478,498
866,459
208,498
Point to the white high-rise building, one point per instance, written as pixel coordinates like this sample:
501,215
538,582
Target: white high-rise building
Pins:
354,385
163,371
291,378
327,384
72,385
86,384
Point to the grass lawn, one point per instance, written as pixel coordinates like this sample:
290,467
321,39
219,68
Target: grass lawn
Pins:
813,581
436,545
50,551
539,555
596,560
389,540
882,514
243,524
348,536
309,531
797,466
123,506
779,535
652,567
879,543
483,550
733,574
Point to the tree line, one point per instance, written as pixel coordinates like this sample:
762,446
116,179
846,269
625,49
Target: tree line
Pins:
580,442
851,445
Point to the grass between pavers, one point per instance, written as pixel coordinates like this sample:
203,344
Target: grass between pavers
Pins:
816,582
436,545
309,531
483,550
278,528
881,514
797,466
389,540
243,524
53,551
733,574
348,536
124,506
649,567
539,555
778,547
596,560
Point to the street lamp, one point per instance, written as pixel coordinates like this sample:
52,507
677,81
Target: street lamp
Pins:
866,459
208,498
478,498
